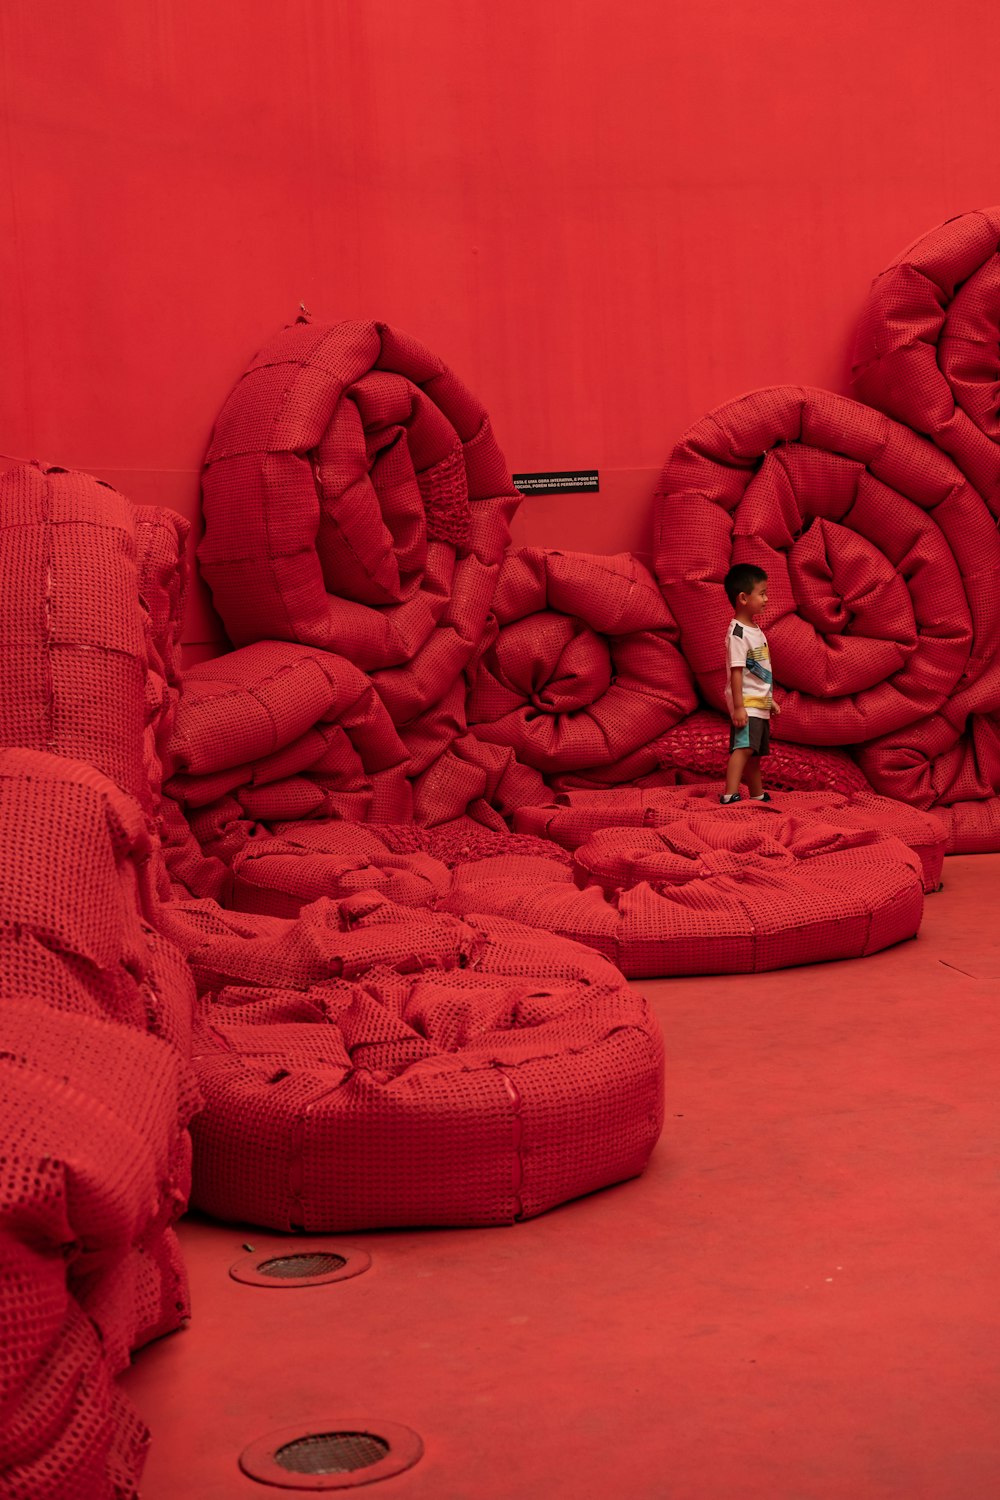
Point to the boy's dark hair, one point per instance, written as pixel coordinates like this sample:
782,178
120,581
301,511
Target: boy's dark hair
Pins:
741,579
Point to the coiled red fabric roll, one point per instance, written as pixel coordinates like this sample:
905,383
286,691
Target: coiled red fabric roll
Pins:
928,340
881,559
585,667
355,499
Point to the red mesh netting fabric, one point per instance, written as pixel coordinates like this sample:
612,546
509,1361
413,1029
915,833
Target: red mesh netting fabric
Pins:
370,1065
355,499
697,749
881,560
585,667
927,343
576,816
73,656
711,895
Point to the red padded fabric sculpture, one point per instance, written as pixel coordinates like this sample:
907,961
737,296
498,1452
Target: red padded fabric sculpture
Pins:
355,499
882,560
371,1065
68,649
286,731
97,1159
697,749
927,344
947,764
585,668
711,895
577,816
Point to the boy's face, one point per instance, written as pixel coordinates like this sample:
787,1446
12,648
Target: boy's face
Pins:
755,602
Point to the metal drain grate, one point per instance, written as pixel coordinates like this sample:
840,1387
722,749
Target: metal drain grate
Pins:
332,1453
312,1263
288,1266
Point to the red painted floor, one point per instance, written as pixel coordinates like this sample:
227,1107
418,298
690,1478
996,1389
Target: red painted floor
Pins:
800,1300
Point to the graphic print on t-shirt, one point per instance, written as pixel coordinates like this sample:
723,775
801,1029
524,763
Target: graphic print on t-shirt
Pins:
746,647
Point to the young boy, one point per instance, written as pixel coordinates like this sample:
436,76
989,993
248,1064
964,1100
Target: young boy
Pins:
748,685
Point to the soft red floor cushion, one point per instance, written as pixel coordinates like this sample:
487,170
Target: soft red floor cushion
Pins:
585,667
576,816
355,499
710,895
369,1065
928,341
881,559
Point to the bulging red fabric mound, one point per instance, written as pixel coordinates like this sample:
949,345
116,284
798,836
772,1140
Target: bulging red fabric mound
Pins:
72,637
95,1097
881,560
710,895
355,499
585,667
374,1065
927,343
286,731
576,816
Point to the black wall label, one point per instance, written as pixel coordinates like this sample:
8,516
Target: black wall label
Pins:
565,482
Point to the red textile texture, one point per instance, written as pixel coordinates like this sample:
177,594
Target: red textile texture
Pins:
161,539
585,667
927,343
576,816
355,499
881,559
304,861
947,763
697,749
710,895
95,1096
372,1065
277,731
69,648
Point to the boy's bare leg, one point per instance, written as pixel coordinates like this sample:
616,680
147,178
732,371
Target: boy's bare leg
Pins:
734,771
752,777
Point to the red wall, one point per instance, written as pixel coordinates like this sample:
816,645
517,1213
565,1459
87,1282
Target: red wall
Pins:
607,217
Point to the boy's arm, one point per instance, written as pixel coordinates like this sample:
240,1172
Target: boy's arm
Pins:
736,685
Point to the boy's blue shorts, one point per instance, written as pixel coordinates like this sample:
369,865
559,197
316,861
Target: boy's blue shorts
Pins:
755,736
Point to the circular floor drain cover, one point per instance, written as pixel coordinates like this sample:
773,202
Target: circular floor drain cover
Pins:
336,1455
332,1453
303,1264
309,1264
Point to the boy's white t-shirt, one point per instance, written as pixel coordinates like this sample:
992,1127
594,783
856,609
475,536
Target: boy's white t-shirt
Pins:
746,647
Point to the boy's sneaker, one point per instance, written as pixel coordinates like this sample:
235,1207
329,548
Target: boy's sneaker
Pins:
764,797
735,797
